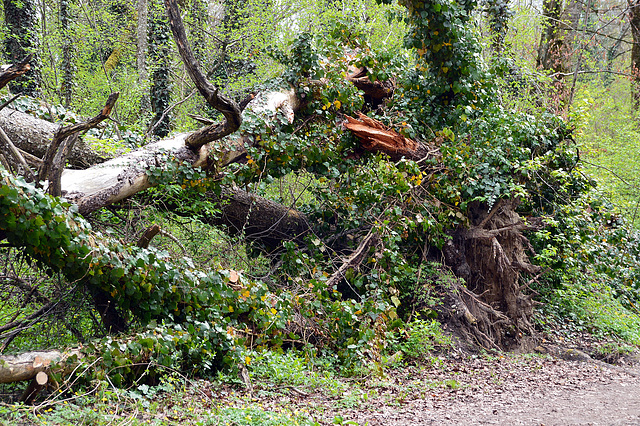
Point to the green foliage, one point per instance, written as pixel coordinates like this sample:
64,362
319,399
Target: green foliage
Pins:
294,369
447,83
609,135
490,144
199,313
419,339
22,40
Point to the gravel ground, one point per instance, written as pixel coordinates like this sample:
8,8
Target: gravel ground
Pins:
505,390
520,392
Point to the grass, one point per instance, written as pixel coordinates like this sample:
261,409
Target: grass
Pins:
289,389
591,307
609,138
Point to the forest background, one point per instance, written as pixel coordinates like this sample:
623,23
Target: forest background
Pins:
483,193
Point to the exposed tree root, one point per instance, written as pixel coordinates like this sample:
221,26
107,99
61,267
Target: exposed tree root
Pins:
490,256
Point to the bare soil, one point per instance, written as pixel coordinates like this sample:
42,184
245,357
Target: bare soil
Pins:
515,391
504,390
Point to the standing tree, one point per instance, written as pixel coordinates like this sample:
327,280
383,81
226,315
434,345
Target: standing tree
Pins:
634,21
20,19
555,51
67,65
142,45
160,65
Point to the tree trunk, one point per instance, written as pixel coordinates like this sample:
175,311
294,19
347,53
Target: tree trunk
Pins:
555,50
34,136
161,87
68,66
142,44
259,219
498,13
634,21
15,368
20,19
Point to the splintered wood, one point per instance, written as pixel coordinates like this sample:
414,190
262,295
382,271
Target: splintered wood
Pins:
376,137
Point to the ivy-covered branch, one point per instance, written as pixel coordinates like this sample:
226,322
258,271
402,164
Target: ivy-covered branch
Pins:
144,283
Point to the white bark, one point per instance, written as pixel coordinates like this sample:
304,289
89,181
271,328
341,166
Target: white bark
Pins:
122,177
15,368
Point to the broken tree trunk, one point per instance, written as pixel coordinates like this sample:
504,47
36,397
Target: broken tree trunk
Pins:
376,137
122,177
15,70
15,368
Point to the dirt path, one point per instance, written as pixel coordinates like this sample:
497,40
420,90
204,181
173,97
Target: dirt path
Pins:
506,391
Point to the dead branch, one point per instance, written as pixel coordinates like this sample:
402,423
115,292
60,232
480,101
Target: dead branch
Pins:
148,235
9,148
7,103
355,259
154,230
14,71
62,144
228,108
167,111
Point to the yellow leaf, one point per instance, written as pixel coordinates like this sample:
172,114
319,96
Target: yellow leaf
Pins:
247,360
273,311
230,308
337,104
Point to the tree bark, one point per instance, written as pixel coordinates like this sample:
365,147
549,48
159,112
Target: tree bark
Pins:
20,19
161,87
634,21
15,70
142,44
68,66
122,177
259,219
34,136
37,384
63,141
15,368
226,106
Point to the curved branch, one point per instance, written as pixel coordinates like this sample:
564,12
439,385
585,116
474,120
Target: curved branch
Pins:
14,71
228,108
63,141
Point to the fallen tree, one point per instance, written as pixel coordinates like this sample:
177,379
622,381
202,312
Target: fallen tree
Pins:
381,217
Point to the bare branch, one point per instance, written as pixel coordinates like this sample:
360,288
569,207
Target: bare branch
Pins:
15,71
228,108
355,259
62,144
9,148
